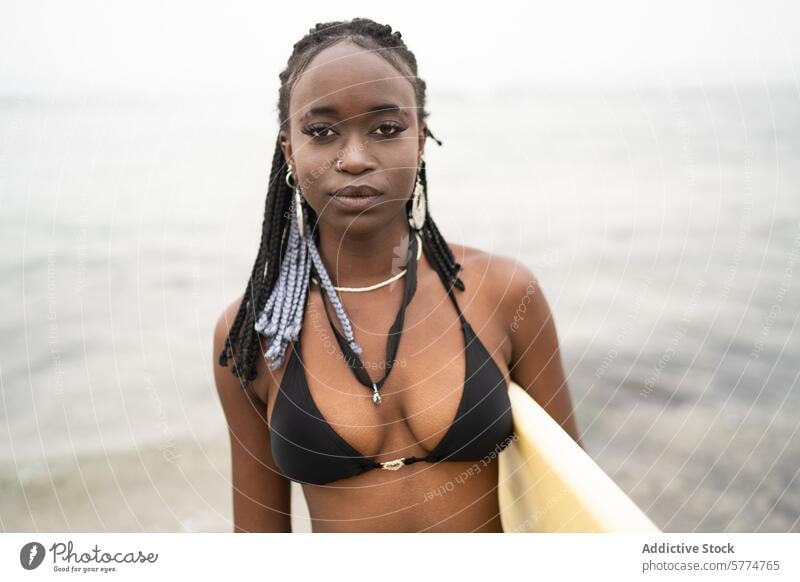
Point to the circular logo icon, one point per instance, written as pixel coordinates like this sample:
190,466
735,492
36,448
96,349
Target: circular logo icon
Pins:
31,555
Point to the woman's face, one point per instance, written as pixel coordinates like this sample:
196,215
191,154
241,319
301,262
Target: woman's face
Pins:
351,104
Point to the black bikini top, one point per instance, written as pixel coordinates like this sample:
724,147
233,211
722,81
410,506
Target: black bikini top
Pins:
307,449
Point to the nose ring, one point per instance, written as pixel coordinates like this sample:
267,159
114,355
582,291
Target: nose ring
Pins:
339,165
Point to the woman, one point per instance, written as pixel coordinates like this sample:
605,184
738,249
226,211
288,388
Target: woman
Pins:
381,382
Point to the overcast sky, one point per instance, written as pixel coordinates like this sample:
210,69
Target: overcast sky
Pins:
85,46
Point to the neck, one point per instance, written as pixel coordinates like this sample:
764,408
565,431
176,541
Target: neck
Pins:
361,259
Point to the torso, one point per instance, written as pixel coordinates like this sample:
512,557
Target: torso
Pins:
420,398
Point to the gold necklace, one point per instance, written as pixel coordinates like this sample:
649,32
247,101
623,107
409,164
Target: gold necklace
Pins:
391,279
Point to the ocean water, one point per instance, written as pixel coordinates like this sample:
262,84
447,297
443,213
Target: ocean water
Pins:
663,224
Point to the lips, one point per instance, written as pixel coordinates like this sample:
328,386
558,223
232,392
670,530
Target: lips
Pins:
355,198
355,192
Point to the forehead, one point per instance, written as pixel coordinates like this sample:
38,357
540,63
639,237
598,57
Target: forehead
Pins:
352,80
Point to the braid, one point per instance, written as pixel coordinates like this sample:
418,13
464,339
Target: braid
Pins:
364,32
436,248
259,264
275,294
242,343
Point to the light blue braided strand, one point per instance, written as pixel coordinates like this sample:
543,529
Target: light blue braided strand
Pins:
276,350
282,317
267,323
325,280
277,301
299,298
283,303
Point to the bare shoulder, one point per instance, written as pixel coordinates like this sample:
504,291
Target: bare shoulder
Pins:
225,320
535,361
504,281
258,387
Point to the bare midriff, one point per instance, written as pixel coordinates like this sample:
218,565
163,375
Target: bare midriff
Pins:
421,497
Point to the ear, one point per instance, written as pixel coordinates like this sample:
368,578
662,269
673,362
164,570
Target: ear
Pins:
286,146
423,136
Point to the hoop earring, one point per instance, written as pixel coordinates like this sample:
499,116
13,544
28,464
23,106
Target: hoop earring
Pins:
291,185
419,203
298,202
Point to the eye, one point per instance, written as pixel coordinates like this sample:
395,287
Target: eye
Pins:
315,129
393,129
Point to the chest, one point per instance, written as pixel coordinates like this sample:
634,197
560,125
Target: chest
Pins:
423,390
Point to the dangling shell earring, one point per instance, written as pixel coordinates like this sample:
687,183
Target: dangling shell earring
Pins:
416,217
282,317
298,205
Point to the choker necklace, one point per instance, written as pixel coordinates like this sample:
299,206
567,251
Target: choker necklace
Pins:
391,279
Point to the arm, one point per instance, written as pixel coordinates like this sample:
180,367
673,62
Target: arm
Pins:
535,353
261,495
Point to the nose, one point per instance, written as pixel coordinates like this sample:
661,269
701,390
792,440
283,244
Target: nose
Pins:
355,158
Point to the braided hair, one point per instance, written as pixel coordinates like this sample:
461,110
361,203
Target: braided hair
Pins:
266,287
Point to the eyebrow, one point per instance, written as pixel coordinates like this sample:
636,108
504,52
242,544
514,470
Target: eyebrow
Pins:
331,110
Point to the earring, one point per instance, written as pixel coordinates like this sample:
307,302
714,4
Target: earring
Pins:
298,202
416,218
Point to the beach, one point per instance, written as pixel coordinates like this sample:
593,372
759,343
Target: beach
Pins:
662,222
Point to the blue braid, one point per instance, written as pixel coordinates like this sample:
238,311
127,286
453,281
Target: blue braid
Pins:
282,317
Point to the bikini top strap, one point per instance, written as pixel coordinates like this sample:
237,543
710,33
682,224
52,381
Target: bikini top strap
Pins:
452,296
352,359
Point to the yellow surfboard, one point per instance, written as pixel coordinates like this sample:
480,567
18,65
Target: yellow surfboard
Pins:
547,483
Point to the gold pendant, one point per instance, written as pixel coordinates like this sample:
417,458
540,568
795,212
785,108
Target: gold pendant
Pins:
393,465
